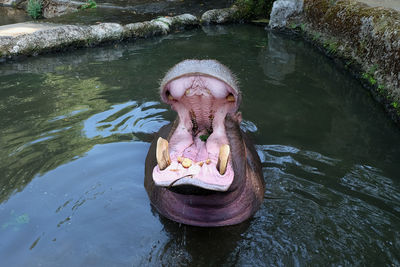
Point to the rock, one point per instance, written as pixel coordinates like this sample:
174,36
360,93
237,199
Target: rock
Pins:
184,21
35,38
219,16
159,26
162,24
55,8
145,29
282,10
59,37
106,32
10,3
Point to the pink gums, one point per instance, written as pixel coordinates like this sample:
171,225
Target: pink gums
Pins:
201,103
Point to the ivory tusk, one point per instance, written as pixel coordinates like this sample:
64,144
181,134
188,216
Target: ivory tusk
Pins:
162,154
224,151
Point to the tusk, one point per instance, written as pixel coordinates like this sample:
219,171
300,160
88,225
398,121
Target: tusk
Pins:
224,151
162,154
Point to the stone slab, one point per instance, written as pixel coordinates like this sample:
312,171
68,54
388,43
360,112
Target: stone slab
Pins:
17,29
395,4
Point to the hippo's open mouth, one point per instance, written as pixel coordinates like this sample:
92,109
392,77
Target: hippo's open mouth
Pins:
198,151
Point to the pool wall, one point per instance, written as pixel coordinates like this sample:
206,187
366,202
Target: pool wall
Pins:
366,40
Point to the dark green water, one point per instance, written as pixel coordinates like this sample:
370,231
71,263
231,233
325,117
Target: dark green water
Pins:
9,15
75,129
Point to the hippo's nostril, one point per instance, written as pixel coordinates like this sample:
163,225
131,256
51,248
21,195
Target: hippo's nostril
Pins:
169,96
230,98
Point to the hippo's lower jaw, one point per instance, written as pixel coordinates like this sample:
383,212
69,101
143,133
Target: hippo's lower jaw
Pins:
198,151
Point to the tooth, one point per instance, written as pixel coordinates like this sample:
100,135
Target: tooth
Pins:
230,98
162,155
224,151
208,161
170,97
186,163
187,92
201,163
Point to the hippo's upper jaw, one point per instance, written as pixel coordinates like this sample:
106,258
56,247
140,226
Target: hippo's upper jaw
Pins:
198,151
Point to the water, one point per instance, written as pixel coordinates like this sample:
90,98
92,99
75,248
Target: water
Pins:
9,15
75,129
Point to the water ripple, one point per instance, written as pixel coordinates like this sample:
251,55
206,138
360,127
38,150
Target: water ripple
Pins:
287,156
372,182
129,117
316,205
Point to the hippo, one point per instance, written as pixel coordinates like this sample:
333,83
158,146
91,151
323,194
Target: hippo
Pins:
202,169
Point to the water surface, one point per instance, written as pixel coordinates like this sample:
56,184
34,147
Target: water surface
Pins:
9,15
75,130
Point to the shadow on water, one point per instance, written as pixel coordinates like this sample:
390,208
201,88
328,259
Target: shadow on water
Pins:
75,130
195,246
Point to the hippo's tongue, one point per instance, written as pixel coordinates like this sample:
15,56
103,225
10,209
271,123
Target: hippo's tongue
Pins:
198,151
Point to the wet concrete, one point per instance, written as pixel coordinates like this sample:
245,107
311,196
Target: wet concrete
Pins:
17,29
47,38
394,4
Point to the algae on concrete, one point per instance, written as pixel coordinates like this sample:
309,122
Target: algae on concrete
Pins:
219,16
254,9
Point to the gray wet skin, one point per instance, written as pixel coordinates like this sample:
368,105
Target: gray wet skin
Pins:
191,205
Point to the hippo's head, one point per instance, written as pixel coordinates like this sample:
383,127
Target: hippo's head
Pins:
204,162
202,92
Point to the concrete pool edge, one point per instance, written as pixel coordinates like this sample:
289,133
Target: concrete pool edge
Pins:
26,39
34,38
365,40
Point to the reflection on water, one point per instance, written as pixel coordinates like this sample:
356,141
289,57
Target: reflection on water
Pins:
75,130
10,15
278,60
125,118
